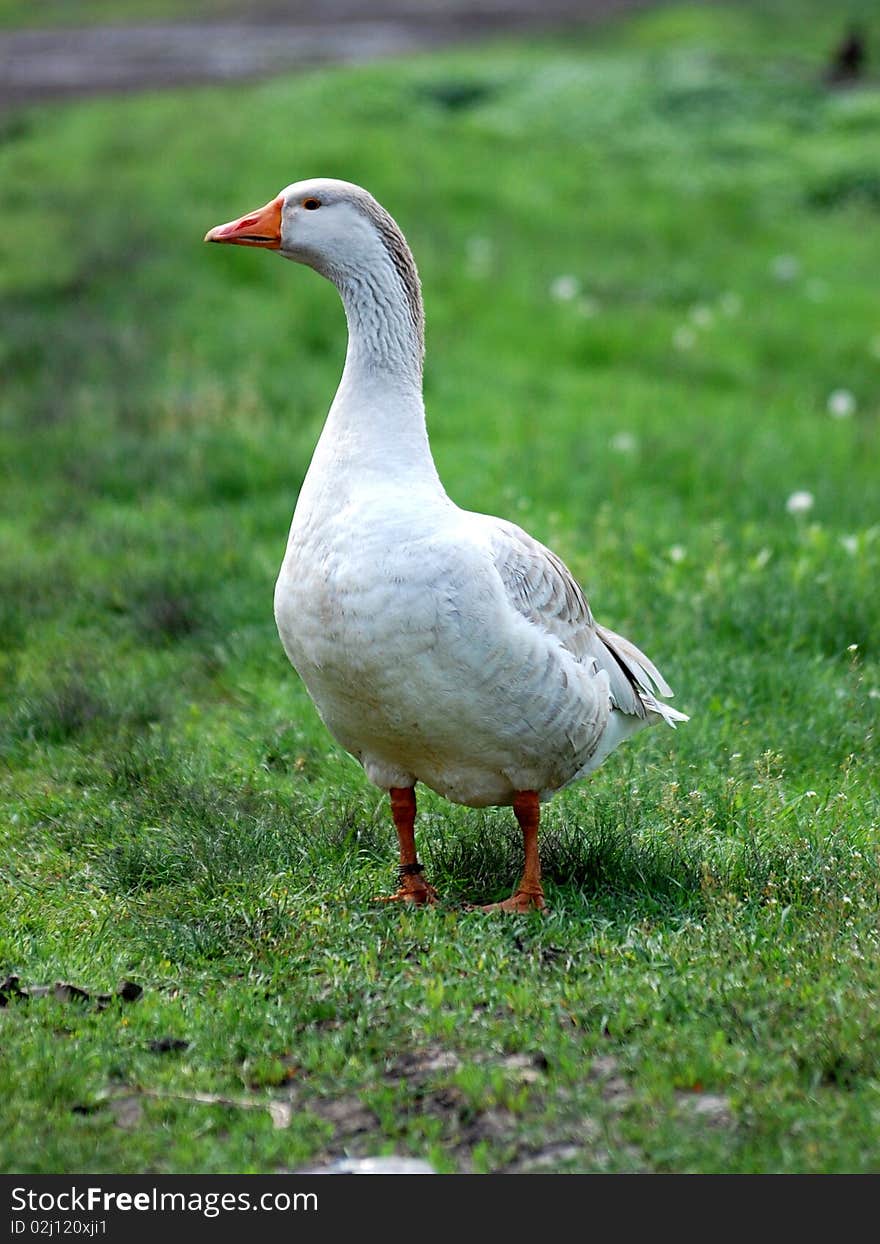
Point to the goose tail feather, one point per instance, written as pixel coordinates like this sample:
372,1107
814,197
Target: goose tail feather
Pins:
649,682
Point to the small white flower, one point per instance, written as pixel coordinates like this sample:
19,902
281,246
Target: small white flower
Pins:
730,303
852,647
565,288
677,553
684,338
817,290
841,404
588,307
624,443
874,694
702,316
478,251
811,794
762,557
800,502
785,267
851,544
479,247
847,899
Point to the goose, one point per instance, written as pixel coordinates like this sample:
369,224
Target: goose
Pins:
439,646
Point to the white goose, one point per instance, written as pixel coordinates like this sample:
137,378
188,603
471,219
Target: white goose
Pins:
439,646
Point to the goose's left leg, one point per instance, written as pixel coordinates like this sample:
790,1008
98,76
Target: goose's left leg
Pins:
529,894
413,886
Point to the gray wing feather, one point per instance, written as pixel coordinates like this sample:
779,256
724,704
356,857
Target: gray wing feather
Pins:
542,588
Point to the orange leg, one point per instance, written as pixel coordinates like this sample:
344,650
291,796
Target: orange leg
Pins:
529,894
413,887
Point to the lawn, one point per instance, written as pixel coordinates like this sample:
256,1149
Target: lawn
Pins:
649,258
47,14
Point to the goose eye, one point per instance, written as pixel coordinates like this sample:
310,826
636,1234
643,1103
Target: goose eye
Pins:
311,205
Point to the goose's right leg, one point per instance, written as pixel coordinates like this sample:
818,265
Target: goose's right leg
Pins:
413,886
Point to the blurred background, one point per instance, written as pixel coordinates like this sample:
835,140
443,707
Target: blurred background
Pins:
82,47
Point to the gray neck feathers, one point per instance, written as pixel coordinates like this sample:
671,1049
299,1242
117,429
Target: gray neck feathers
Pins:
384,305
402,260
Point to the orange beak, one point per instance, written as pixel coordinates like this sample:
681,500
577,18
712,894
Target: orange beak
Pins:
260,228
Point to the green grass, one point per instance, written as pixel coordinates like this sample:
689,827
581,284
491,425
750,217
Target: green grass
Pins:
704,994
35,14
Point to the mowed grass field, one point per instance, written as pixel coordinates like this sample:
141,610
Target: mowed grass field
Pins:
649,257
22,14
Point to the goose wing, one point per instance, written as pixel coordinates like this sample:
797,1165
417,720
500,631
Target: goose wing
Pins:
541,587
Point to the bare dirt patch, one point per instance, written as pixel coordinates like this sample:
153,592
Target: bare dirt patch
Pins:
58,63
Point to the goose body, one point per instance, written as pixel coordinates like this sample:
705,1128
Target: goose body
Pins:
439,645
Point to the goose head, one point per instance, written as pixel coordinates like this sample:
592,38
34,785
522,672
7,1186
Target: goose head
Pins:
341,231
333,226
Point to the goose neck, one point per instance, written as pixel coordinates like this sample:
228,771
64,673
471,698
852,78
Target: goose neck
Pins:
377,421
385,329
